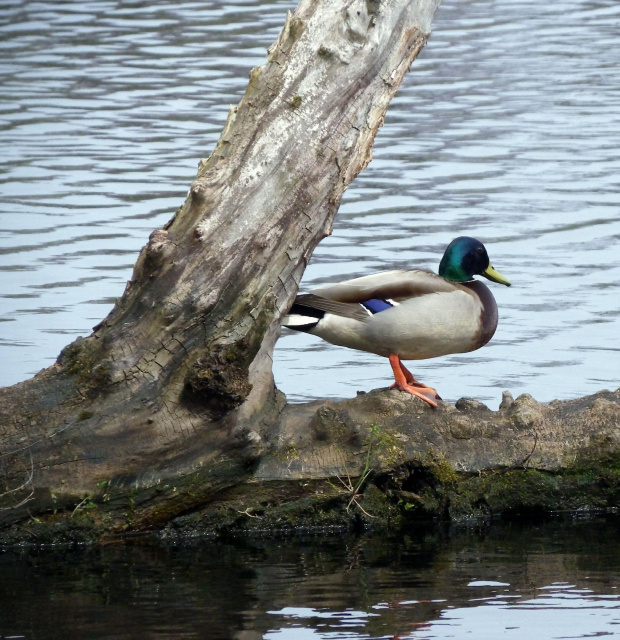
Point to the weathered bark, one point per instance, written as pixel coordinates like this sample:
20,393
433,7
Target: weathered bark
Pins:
379,460
384,457
330,438
175,385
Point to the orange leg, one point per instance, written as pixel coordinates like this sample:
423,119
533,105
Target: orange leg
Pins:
406,382
412,381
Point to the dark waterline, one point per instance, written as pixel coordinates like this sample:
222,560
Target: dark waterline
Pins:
552,579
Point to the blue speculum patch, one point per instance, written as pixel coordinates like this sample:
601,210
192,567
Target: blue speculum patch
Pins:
375,305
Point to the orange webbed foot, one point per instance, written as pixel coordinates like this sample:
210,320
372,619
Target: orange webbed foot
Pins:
406,382
420,393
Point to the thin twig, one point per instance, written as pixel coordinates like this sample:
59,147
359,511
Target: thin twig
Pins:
526,459
247,513
21,486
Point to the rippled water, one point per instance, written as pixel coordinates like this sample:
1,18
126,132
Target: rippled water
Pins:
556,580
507,129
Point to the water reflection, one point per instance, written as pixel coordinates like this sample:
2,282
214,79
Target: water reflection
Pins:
507,129
556,579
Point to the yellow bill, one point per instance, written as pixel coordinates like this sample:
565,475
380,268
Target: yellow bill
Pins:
495,276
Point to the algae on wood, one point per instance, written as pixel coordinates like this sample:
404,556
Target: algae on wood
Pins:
379,460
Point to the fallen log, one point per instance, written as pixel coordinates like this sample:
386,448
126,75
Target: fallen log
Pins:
382,459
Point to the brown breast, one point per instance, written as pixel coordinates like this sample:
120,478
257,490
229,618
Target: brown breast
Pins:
488,320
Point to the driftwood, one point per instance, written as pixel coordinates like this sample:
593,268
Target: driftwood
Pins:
170,405
330,438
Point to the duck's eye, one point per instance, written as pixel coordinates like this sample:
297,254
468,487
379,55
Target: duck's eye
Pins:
480,250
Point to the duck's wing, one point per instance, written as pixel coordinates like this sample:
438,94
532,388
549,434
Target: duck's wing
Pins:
362,298
389,285
305,303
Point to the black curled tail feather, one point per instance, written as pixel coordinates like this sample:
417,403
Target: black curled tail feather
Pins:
302,318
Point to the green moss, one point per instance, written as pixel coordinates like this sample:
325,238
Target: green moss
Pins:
440,469
70,357
314,507
598,459
56,529
380,511
386,445
295,103
431,487
423,489
85,362
525,491
286,454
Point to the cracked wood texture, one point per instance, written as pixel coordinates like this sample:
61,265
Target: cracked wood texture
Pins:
171,398
324,439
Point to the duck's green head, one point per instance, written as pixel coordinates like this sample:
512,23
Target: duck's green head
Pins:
466,257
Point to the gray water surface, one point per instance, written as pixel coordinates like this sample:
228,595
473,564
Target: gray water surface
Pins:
507,129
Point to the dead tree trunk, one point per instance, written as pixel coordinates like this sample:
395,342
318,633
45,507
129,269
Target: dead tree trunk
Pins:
171,397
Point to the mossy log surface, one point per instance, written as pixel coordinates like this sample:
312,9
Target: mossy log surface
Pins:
385,457
377,460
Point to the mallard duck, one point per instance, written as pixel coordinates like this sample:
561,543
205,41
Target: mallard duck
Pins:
407,314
